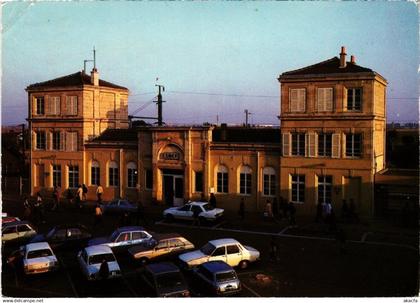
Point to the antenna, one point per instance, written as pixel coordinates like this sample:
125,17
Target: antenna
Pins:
94,57
159,103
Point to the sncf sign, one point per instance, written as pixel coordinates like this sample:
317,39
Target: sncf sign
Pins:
169,156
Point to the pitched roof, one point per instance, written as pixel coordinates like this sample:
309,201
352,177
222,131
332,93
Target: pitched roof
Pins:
76,79
246,135
117,135
330,66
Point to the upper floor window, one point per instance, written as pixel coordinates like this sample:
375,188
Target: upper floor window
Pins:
113,176
245,180
95,173
324,144
131,174
325,99
353,145
298,188
73,176
54,105
56,140
40,140
71,105
222,179
269,179
40,105
354,99
297,100
56,168
71,141
298,144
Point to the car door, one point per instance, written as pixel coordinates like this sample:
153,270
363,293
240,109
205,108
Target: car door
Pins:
233,255
176,247
82,258
24,231
138,237
9,233
184,212
161,250
196,208
123,239
219,254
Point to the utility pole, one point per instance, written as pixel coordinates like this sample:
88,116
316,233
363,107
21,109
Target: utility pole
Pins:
159,103
247,113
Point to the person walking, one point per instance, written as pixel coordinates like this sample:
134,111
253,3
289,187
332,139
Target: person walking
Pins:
85,191
327,209
268,209
56,198
99,192
241,211
98,215
27,208
292,213
212,200
103,270
79,196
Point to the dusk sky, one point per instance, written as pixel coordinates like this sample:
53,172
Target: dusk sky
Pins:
214,58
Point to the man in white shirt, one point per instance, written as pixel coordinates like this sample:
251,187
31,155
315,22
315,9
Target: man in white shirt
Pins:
99,191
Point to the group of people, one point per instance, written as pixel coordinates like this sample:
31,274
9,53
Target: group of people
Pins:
286,210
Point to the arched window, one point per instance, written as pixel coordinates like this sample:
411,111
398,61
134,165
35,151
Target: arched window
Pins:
222,179
245,184
113,175
95,173
269,179
131,174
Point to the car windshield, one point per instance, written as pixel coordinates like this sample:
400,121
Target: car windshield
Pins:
207,249
225,276
51,233
97,259
39,253
114,236
169,280
207,207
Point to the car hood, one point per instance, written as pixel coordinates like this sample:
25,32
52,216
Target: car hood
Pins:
97,241
37,238
193,255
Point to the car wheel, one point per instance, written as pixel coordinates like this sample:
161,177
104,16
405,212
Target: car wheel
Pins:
243,264
143,261
169,217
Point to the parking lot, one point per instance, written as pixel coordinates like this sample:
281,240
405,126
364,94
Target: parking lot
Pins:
307,265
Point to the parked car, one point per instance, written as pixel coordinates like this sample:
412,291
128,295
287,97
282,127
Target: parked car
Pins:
35,258
119,206
164,246
164,280
217,278
186,212
90,259
65,236
124,237
17,232
7,219
228,250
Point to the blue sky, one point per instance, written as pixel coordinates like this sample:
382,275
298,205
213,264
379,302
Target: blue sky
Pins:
229,52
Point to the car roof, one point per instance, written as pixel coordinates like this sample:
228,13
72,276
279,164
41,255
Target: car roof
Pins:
14,223
69,225
217,266
224,241
160,237
129,228
162,267
98,249
198,203
37,246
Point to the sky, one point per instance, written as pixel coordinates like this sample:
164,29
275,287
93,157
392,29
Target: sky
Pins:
215,59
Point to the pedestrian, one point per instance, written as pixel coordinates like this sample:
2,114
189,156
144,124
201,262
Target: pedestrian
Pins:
103,270
241,211
79,196
327,209
341,238
27,208
56,198
39,208
319,207
99,191
196,213
275,208
98,215
85,191
274,250
292,213
212,200
268,212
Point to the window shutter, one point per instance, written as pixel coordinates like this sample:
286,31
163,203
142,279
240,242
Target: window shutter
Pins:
48,107
62,140
286,144
294,100
311,144
68,105
328,99
302,100
336,144
320,99
74,105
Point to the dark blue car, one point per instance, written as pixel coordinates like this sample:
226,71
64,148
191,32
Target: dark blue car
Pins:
119,206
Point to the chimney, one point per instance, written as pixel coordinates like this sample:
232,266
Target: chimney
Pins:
343,57
353,59
94,77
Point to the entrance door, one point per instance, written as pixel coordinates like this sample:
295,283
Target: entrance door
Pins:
179,190
168,189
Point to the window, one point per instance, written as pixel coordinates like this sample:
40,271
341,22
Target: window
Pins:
325,99
245,180
131,174
297,99
149,179
354,99
54,105
123,237
232,249
298,188
298,144
138,235
40,140
56,140
113,174
220,251
40,105
353,145
56,175
73,176
71,105
324,189
269,181
95,173
9,230
71,141
23,228
324,144
198,181
222,179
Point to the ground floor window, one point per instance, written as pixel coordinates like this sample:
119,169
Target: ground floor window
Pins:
95,173
56,175
131,175
198,181
113,175
73,176
245,181
298,188
324,189
222,179
269,179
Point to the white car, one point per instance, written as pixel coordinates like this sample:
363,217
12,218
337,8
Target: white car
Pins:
90,259
206,212
38,258
228,250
